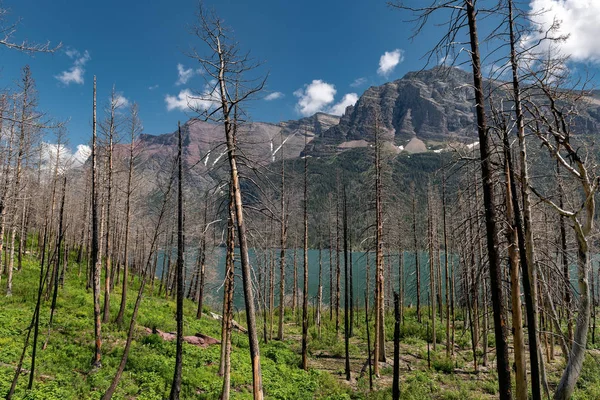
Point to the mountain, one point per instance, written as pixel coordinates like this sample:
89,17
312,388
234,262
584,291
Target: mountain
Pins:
424,110
204,146
421,112
260,141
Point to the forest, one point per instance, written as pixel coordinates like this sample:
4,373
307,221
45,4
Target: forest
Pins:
197,265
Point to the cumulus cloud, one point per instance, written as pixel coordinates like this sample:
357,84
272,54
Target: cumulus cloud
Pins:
349,99
67,159
578,22
121,101
188,101
274,96
389,60
185,74
76,72
359,82
314,97
153,87
319,96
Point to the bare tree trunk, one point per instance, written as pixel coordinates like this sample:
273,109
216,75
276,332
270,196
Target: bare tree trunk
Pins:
295,283
134,129
282,244
346,291
305,288
497,293
416,249
337,256
176,385
96,361
108,249
515,288
144,276
59,243
271,288
396,379
320,292
431,265
225,364
446,270
202,271
368,337
379,277
331,300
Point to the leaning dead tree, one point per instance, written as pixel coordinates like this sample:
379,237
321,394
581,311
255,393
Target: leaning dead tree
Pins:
552,123
226,67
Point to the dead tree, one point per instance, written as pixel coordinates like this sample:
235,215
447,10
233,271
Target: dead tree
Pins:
176,385
552,126
225,363
95,259
379,345
282,244
110,130
144,278
305,287
346,288
226,66
135,128
463,14
7,31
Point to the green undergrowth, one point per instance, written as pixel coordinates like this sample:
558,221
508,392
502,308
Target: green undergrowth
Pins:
63,368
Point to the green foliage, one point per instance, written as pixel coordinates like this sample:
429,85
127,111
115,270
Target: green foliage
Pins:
442,364
418,386
63,369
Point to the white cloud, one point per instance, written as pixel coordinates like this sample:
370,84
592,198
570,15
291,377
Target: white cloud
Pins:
578,19
314,97
359,82
153,87
66,158
72,53
76,72
188,101
349,99
185,74
389,60
274,96
121,101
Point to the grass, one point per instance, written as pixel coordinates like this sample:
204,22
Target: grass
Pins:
63,368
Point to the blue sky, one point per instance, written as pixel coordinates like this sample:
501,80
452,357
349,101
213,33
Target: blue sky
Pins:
320,55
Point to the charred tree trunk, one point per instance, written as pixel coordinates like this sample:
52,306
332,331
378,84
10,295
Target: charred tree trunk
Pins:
346,291
176,385
497,293
305,287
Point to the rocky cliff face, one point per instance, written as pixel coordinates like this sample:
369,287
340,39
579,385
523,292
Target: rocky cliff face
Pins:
429,106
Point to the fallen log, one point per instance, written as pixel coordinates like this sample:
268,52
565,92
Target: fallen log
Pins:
233,322
198,339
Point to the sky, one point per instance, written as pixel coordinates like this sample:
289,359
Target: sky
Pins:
320,55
